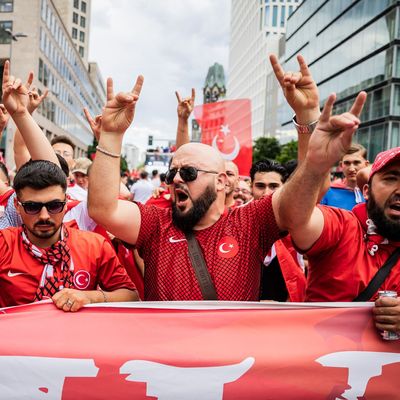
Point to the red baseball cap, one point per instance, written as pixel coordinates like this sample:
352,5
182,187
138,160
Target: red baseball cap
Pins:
384,158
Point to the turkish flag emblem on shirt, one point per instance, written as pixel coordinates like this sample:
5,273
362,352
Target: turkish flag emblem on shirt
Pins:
226,126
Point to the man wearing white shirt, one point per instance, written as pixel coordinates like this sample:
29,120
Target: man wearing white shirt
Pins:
142,189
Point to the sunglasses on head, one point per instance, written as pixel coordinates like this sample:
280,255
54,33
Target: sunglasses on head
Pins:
33,207
188,174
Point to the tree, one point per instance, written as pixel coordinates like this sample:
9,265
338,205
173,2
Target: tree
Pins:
91,152
266,147
288,152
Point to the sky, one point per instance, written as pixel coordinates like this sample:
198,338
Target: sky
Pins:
172,43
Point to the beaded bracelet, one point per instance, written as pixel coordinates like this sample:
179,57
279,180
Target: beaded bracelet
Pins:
108,153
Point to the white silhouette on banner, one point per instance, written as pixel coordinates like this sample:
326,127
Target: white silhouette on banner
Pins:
362,365
234,153
167,382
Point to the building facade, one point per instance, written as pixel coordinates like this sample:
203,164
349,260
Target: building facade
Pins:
352,46
256,28
49,51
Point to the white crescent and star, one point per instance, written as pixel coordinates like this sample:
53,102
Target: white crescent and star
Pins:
234,153
222,250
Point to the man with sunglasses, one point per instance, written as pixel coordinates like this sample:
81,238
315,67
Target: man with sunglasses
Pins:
45,259
233,242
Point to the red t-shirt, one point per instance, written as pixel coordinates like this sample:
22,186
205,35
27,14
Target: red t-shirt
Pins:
95,263
340,266
233,248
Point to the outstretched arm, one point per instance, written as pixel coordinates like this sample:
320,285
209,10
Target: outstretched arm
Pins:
330,140
16,100
119,217
185,108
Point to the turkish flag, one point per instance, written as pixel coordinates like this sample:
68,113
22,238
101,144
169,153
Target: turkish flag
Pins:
226,126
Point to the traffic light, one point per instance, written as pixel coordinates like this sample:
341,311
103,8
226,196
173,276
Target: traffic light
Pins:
150,141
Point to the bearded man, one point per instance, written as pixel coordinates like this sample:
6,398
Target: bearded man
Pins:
233,243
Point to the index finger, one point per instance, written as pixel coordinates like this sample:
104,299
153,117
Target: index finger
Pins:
327,110
278,70
110,89
29,80
358,104
193,94
6,72
138,86
178,97
87,115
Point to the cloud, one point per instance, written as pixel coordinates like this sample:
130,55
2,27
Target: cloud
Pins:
171,42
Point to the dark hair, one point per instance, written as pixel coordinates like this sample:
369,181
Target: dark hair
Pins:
39,174
268,166
144,175
63,139
5,171
154,172
162,177
357,148
63,164
290,167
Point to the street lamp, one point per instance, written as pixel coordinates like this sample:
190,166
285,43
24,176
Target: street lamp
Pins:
14,36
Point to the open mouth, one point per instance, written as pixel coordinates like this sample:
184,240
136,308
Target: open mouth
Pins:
180,198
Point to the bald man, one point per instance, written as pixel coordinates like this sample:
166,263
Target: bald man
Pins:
234,243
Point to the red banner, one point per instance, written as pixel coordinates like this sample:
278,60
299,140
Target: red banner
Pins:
257,351
226,126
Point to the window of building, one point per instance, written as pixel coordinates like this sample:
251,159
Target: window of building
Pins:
75,18
40,77
83,6
266,16
82,36
81,51
76,4
275,16
6,5
74,33
83,22
283,12
5,38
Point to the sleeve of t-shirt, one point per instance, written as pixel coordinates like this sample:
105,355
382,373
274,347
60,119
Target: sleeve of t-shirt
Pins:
111,274
4,250
335,224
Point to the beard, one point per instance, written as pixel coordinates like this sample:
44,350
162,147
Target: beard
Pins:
43,234
386,227
186,221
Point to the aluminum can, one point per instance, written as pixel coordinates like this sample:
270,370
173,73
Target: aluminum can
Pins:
386,335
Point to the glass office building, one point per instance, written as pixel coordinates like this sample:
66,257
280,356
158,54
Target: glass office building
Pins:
351,45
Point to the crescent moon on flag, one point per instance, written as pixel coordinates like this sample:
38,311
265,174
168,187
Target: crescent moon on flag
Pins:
222,250
227,156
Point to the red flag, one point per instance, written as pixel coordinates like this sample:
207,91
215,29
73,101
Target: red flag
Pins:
226,125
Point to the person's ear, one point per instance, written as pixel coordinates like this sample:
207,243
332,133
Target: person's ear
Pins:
17,205
366,191
222,181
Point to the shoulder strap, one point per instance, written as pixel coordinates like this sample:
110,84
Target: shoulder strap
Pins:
200,268
379,277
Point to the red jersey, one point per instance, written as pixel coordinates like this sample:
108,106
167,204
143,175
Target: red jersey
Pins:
233,248
95,263
340,266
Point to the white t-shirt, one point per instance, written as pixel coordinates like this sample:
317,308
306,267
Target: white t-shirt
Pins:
142,190
77,193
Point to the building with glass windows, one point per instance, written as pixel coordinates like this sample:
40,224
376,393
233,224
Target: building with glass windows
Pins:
256,27
351,46
48,50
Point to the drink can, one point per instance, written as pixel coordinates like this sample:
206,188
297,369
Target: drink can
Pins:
386,335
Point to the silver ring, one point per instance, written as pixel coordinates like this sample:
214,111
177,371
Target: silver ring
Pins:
69,303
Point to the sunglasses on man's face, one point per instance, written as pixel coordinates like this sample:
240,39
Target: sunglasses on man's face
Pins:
188,174
34,207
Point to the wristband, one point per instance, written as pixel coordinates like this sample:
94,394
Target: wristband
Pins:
108,153
104,295
304,129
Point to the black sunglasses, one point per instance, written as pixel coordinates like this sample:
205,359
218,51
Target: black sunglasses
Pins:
188,174
33,207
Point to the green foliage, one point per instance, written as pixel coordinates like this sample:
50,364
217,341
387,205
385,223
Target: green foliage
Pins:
124,164
288,152
266,147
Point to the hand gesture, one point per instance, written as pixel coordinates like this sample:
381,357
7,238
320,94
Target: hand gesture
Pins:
95,124
35,99
299,88
185,106
332,136
4,117
15,94
70,299
387,314
119,111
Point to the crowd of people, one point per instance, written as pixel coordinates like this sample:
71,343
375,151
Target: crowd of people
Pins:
72,231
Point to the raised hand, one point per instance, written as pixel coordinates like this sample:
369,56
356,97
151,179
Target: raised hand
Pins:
35,99
15,94
185,106
119,111
95,124
299,88
332,136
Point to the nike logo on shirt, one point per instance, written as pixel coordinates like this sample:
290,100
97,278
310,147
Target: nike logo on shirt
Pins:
172,240
12,274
